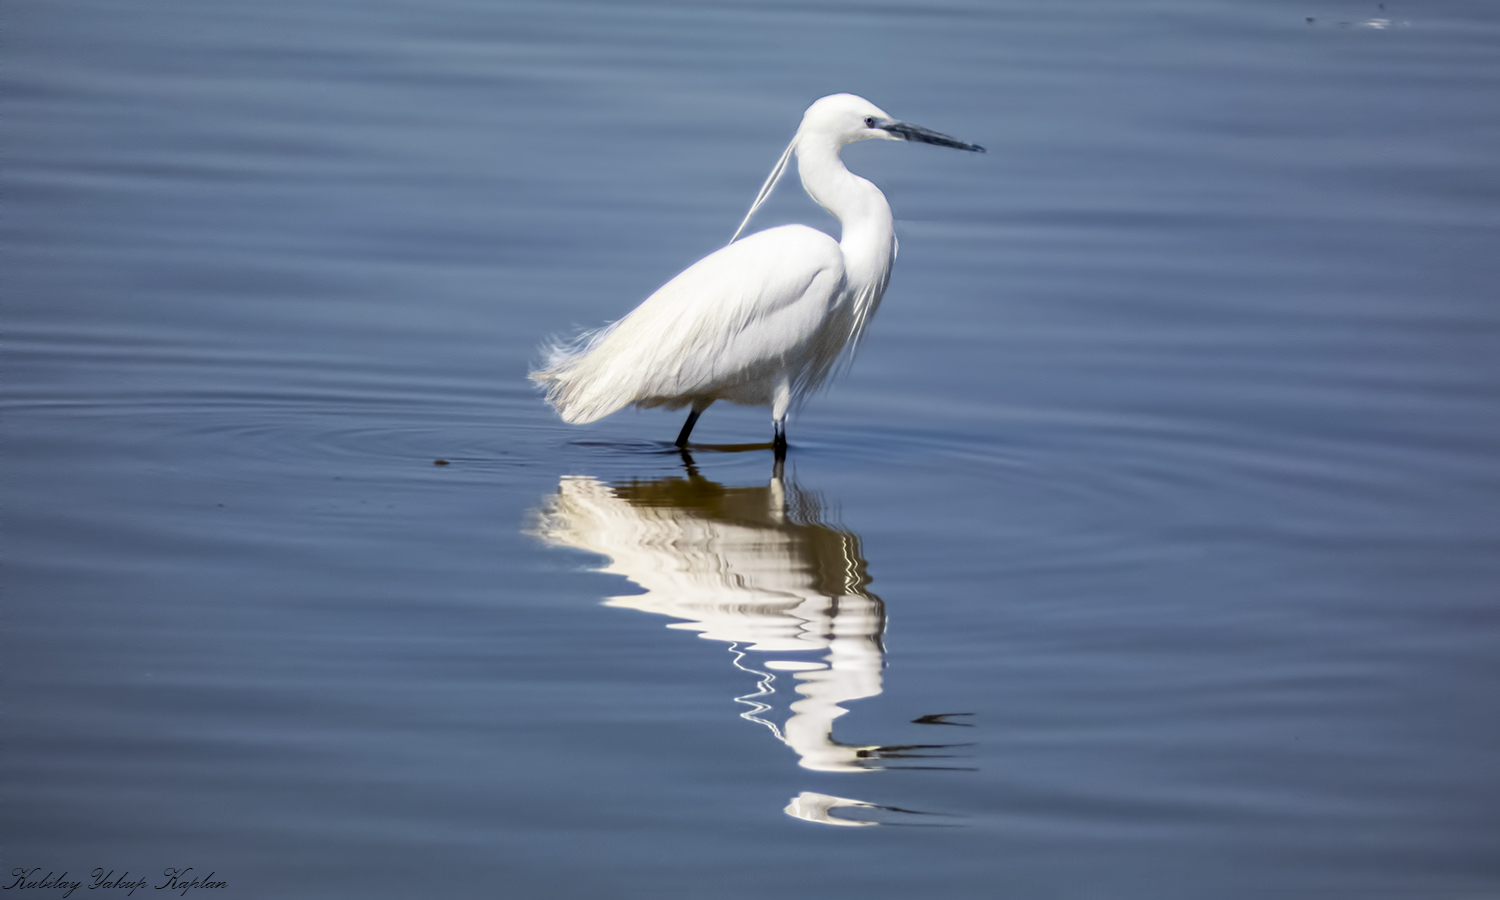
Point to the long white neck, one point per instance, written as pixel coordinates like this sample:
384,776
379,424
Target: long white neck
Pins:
869,235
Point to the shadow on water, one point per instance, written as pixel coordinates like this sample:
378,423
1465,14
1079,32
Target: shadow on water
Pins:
760,569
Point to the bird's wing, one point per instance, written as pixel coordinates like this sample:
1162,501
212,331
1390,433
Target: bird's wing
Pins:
733,317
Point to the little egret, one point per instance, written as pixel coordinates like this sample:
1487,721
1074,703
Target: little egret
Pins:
762,321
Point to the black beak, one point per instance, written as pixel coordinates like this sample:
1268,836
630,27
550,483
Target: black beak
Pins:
908,132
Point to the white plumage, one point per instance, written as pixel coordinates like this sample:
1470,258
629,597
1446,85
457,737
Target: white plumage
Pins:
763,321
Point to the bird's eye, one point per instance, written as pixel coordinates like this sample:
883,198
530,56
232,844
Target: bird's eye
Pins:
869,121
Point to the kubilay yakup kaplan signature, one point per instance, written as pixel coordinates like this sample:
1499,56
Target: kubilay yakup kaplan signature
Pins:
180,880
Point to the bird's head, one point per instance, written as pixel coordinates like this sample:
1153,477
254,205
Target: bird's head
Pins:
846,119
840,119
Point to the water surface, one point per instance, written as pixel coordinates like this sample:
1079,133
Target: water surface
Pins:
1150,548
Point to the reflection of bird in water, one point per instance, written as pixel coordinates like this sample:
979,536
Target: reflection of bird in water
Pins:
752,566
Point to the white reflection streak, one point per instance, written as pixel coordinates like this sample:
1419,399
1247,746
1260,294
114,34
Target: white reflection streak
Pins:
811,806
763,688
736,565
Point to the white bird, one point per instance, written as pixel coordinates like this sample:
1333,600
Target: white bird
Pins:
762,321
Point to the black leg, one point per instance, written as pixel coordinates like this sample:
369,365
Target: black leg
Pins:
687,428
778,444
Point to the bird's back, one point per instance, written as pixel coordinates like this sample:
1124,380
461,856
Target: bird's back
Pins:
770,306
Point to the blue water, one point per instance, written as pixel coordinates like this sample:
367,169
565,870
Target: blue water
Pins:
1150,549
